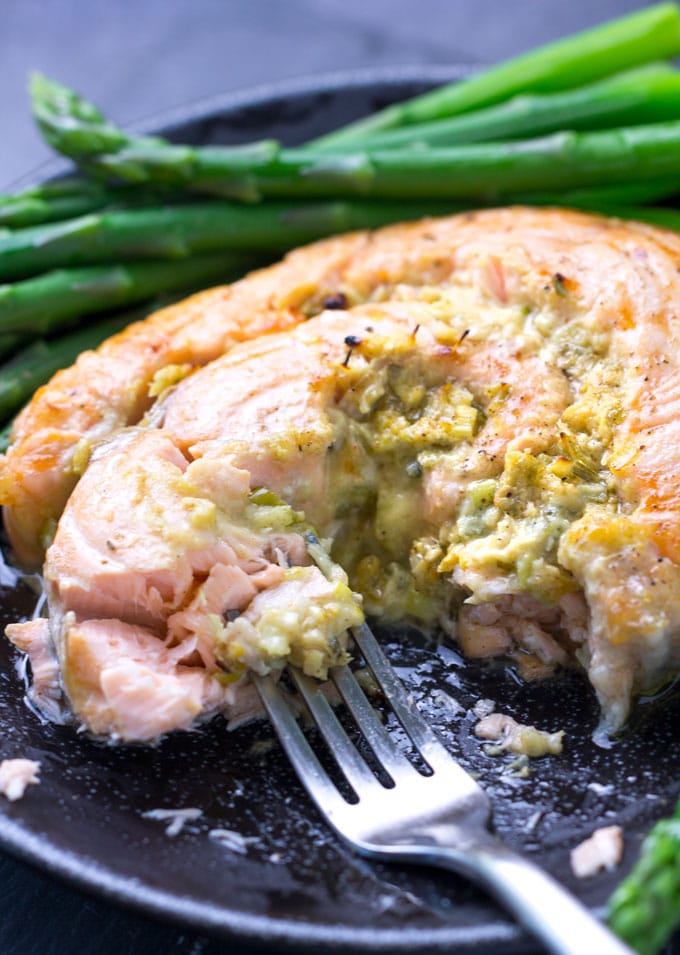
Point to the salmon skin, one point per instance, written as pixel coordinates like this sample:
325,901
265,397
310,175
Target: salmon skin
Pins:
479,413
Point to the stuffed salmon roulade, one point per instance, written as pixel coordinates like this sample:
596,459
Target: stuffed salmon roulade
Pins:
482,422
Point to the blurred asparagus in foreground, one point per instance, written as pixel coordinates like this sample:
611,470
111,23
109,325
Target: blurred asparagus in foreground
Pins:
50,201
179,232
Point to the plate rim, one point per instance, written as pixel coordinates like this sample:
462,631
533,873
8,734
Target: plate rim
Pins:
133,895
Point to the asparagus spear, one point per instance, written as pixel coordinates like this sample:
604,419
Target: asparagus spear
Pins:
177,232
77,129
640,37
650,93
599,198
181,231
645,908
52,201
647,94
482,171
59,199
476,172
42,305
67,198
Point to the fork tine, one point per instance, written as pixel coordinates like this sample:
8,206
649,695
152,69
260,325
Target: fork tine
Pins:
344,752
422,736
310,771
438,820
364,715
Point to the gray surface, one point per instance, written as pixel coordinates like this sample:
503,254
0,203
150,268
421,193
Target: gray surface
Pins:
138,59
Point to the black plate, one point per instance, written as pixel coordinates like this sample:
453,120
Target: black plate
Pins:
296,886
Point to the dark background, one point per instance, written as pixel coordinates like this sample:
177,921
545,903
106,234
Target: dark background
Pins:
139,60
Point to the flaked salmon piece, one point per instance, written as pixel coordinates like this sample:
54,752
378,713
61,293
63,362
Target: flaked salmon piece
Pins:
16,775
123,682
133,544
510,736
153,581
633,595
602,850
45,692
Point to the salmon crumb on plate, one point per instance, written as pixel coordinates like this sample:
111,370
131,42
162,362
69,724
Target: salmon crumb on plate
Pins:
486,433
16,775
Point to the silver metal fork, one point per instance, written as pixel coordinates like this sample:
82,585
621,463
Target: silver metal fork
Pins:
440,819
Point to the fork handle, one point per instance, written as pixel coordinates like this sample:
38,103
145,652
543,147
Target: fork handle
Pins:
539,903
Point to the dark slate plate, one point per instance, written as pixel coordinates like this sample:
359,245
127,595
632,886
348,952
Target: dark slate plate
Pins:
296,887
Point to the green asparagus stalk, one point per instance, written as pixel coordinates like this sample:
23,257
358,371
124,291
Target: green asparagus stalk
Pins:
603,197
632,40
36,364
77,129
482,171
61,199
68,198
647,94
177,232
645,908
43,305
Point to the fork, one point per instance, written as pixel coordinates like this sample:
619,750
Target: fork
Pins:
439,819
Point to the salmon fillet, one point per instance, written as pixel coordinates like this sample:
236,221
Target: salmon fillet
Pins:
482,422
